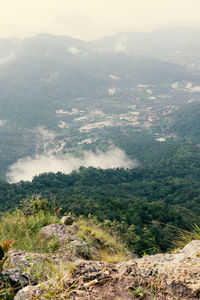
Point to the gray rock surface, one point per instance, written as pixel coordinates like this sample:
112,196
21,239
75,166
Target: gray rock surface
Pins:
30,292
161,276
24,259
81,249
63,232
58,230
17,278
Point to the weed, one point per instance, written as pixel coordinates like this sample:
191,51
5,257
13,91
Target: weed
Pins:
56,290
4,248
139,292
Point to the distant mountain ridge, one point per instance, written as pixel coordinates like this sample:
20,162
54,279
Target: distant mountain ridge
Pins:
176,44
40,70
127,82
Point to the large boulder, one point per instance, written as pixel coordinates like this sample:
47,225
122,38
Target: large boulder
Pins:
54,230
62,232
29,292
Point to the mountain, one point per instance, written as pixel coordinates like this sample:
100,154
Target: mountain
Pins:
176,44
43,73
92,91
186,122
106,132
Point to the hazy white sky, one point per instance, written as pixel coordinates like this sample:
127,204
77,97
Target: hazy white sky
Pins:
89,19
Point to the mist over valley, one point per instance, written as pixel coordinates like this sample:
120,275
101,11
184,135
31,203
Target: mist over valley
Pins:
108,128
91,96
99,149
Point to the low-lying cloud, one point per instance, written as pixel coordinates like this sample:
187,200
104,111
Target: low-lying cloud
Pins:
7,59
26,168
2,122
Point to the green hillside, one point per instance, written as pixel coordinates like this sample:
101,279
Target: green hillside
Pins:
156,199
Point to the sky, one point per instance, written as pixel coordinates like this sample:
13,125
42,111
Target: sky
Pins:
92,19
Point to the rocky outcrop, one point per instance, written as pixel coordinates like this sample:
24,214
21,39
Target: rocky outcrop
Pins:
16,278
70,246
161,276
22,259
60,230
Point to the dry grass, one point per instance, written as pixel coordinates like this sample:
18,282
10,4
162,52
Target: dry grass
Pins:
109,249
25,230
186,237
112,257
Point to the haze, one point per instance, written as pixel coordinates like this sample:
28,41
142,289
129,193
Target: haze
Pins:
91,19
27,168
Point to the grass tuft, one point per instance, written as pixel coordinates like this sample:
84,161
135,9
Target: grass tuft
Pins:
108,247
25,230
186,236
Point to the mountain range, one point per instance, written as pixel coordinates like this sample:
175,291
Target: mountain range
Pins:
141,83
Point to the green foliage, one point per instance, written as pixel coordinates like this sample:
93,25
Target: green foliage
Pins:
149,290
53,245
144,203
7,292
25,229
123,232
186,122
32,205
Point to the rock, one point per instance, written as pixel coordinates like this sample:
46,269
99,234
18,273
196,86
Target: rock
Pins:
17,278
191,250
52,230
62,232
91,268
68,220
131,255
30,292
160,276
24,259
34,262
66,239
74,228
82,249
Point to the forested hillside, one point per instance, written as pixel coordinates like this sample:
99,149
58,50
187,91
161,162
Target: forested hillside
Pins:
156,199
92,96
127,117
186,122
